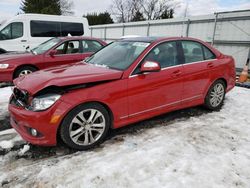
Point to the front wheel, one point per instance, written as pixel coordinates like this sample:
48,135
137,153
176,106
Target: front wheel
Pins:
24,71
85,127
216,95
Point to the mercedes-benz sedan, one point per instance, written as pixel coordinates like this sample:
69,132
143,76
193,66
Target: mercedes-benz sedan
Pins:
127,81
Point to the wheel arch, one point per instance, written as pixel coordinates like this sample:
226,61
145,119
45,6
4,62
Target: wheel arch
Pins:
211,83
222,79
23,65
84,103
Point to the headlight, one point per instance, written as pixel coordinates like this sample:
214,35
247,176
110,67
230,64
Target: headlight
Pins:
4,66
43,102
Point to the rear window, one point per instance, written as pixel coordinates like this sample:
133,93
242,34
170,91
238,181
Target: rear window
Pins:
208,54
55,29
192,51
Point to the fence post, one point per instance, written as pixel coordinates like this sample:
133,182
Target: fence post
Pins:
215,24
148,29
188,24
123,29
105,33
91,32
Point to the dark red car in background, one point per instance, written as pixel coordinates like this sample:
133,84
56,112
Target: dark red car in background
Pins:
54,52
125,82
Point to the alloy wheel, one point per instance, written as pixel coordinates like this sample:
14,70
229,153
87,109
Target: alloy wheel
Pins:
87,127
217,95
25,72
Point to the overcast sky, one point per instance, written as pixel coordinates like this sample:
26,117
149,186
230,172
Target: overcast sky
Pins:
9,8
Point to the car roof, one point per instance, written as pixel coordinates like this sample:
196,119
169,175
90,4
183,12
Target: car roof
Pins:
156,39
141,39
78,38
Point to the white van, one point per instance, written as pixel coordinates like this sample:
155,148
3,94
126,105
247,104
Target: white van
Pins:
30,30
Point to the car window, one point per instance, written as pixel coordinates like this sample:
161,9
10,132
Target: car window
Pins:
46,46
44,28
91,46
55,29
208,54
69,47
165,54
12,31
193,51
74,29
118,55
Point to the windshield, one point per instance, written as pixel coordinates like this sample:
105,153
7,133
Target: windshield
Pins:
46,46
118,55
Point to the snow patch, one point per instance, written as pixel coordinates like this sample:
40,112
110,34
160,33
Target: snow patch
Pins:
210,150
24,150
5,94
6,144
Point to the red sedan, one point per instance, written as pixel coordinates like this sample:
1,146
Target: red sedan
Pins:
127,81
54,52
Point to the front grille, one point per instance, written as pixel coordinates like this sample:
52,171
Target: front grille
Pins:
19,97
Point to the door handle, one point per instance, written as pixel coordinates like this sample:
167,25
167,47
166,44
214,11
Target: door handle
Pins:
23,40
210,65
176,73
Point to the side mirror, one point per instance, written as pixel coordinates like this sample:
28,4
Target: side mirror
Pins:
52,53
150,66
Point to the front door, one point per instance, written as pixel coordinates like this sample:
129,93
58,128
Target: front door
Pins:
68,52
157,90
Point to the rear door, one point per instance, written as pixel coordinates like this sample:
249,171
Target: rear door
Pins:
197,62
157,90
68,52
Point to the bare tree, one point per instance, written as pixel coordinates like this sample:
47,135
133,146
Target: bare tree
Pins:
154,9
120,9
127,10
66,7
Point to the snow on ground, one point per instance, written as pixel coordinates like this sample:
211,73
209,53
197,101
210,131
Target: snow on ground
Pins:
205,150
4,99
9,138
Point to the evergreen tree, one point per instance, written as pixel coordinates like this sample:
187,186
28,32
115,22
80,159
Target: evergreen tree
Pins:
168,13
138,17
98,19
41,6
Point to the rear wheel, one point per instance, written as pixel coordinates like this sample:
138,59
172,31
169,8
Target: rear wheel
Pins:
85,127
216,95
22,71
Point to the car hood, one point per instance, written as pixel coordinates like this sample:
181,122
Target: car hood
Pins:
14,55
74,74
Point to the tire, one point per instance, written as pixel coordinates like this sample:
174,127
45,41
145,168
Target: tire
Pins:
78,132
24,71
215,96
